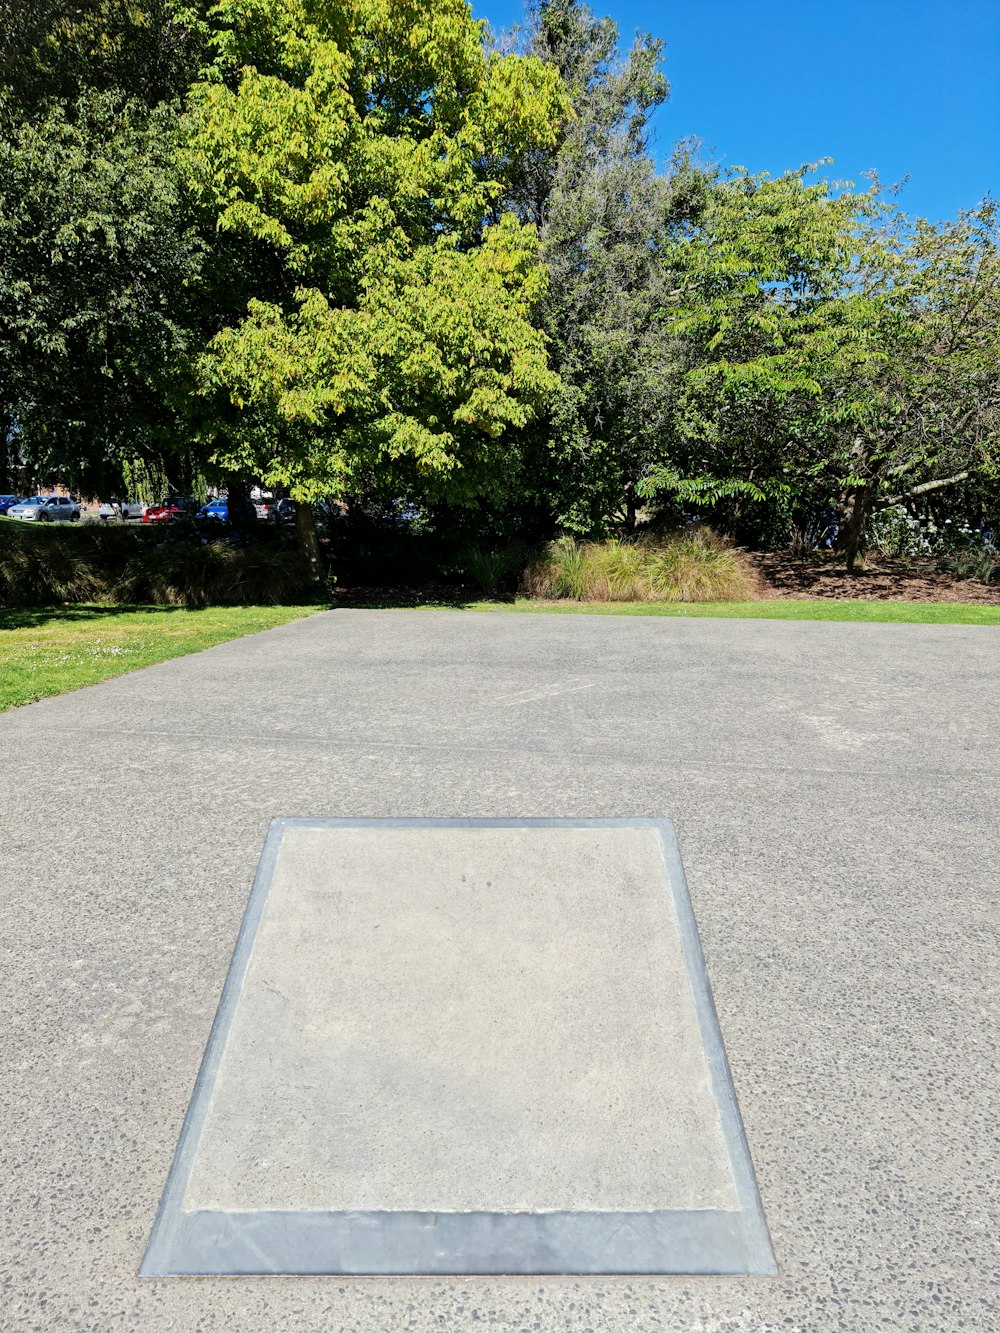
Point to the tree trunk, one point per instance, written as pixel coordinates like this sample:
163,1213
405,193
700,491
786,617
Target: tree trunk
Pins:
855,507
305,530
851,538
6,453
239,506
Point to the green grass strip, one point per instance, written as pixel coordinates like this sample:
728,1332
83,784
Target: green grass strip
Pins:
913,613
45,652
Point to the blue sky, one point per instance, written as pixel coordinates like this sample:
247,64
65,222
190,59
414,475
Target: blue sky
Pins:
907,87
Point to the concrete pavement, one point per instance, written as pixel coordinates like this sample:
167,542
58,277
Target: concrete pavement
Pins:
834,788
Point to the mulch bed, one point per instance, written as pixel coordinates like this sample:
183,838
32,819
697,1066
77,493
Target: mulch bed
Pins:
367,598
884,579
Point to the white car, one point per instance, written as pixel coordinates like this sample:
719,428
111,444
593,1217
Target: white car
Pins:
122,509
46,509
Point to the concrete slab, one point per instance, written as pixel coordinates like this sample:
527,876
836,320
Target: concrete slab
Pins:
464,1046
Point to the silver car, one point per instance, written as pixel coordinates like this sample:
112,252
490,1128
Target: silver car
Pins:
46,509
123,509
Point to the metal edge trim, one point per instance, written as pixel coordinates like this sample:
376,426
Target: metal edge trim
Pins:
169,1214
307,1243
760,1251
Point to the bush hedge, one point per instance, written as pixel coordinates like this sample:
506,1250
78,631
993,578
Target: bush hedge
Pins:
175,566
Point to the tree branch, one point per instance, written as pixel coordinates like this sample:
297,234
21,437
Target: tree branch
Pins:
922,490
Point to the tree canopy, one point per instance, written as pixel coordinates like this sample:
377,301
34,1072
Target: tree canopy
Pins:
364,147
366,250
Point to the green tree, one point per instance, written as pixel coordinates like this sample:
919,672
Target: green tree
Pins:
97,253
756,313
924,413
96,273
829,349
602,212
353,154
55,49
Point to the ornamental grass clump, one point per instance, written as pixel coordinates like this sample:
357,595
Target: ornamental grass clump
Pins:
44,568
196,575
694,565
494,572
697,566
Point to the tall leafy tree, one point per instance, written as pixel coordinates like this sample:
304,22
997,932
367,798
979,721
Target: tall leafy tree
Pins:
924,413
755,307
97,253
601,210
54,49
96,267
353,153
825,344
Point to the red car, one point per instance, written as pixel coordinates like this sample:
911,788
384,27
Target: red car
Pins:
168,511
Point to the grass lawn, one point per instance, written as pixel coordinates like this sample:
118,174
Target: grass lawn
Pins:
50,651
921,613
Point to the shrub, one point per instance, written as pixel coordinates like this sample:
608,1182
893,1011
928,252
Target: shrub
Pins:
44,568
962,550
698,567
620,571
972,562
193,574
167,567
896,532
493,571
693,565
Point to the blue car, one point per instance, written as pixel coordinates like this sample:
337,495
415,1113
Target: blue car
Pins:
7,502
218,512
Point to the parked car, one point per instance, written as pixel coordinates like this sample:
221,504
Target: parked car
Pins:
7,502
122,509
46,509
285,509
265,508
220,511
241,512
27,509
174,507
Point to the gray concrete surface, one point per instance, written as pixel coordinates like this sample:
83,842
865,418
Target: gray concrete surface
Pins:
465,1020
834,787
